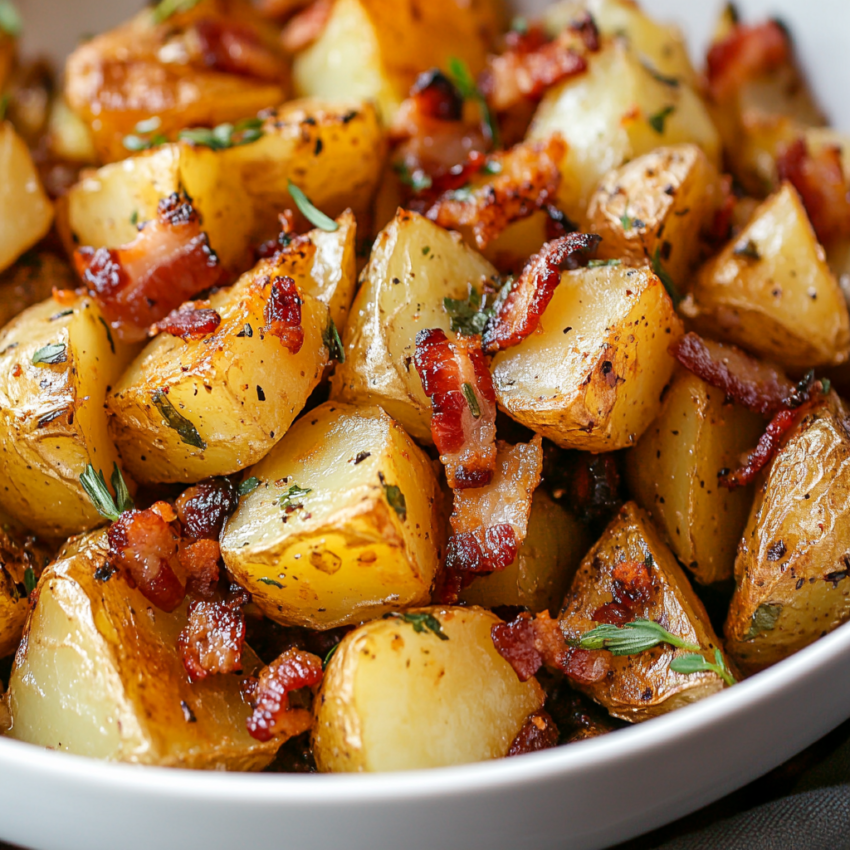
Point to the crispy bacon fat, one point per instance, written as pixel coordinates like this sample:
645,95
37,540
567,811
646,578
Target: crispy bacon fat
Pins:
138,284
456,378
283,313
519,314
272,714
189,322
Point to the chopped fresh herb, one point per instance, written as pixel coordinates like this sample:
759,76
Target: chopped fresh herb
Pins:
492,166
626,220
187,432
420,622
108,333
51,354
332,341
248,486
825,385
468,316
316,217
4,105
631,638
224,135
166,8
464,193
466,85
747,249
61,315
764,620
656,74
150,125
658,120
395,497
135,143
426,250
418,180
134,218
326,660
669,285
598,264
30,581
270,581
10,19
471,400
520,25
289,499
95,486
688,664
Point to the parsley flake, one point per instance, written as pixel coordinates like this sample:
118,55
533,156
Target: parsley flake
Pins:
468,89
248,486
315,216
187,432
51,354
469,316
30,581
661,272
658,120
471,400
290,499
332,341
395,497
420,622
224,136
270,581
418,180
764,620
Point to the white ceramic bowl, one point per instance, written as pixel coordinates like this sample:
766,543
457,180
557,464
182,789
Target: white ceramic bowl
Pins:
590,794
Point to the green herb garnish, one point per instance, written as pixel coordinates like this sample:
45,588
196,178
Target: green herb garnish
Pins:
656,74
166,8
417,180
395,497
825,385
95,486
631,638
10,19
51,354
492,166
30,581
108,333
316,217
598,264
270,581
471,400
224,136
468,316
658,120
290,499
464,193
134,218
145,136
420,622
248,486
466,85
332,341
664,277
764,620
688,664
187,432
626,220
747,249
327,659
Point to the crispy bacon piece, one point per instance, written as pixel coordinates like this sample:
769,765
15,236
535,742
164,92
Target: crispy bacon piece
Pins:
436,96
200,562
631,590
530,295
283,313
747,52
306,26
189,322
820,180
232,48
527,180
539,732
757,385
212,640
272,715
140,283
590,484
204,508
456,378
144,546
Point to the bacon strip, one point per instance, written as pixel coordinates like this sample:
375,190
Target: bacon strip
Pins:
232,48
189,322
306,26
204,508
200,561
530,295
138,284
272,715
456,378
539,732
212,640
823,187
283,313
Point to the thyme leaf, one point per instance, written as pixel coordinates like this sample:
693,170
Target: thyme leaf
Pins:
688,664
187,432
631,638
420,622
315,216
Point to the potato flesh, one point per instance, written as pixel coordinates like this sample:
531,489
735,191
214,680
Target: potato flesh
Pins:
397,699
673,471
239,392
591,376
25,210
81,677
414,266
642,685
52,417
791,570
785,305
348,554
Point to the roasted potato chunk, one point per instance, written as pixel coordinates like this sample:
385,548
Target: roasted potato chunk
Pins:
374,49
631,563
616,111
415,265
188,410
655,208
424,689
57,361
87,619
30,280
771,291
591,376
544,566
672,472
792,567
345,524
25,210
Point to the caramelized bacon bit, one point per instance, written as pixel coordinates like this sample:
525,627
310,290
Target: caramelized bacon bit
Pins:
204,508
747,52
527,180
758,386
232,48
456,378
144,547
530,295
631,588
437,97
200,563
823,187
539,732
283,314
212,640
189,322
166,264
306,26
589,484
272,715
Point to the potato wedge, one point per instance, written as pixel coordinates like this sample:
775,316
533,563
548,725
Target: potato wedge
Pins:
544,566
398,697
374,49
414,266
591,376
792,567
365,539
642,685
616,111
25,210
672,473
656,206
771,291
52,417
184,411
91,645
32,279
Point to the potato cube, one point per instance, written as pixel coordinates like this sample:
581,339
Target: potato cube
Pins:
347,522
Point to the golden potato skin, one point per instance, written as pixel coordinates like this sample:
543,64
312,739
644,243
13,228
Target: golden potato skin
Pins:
791,570
394,698
591,376
238,393
52,417
771,291
642,686
368,536
413,267
98,673
672,473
